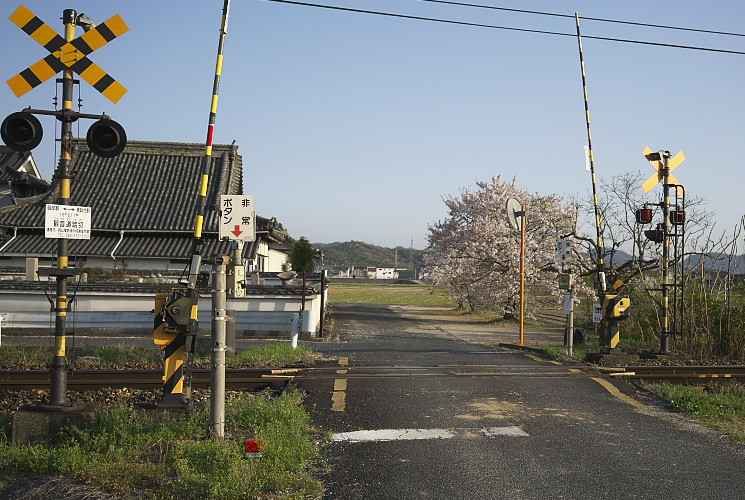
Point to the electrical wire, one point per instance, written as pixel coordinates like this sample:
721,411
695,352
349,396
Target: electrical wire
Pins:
600,19
509,28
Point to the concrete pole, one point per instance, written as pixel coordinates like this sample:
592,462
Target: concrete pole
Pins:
570,322
323,299
217,381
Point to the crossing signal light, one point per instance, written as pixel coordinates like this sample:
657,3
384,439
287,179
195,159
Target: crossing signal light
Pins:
644,216
106,138
677,217
656,235
21,131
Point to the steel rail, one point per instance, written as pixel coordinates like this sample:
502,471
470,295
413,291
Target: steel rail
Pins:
139,378
257,377
699,374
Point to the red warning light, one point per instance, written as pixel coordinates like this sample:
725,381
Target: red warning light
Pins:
677,217
644,215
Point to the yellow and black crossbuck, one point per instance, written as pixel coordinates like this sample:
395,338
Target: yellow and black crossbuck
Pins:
67,55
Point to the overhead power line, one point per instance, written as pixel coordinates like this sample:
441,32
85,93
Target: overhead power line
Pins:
617,21
510,28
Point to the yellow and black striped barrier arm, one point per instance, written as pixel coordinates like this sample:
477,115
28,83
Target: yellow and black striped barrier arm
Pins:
64,54
602,287
206,161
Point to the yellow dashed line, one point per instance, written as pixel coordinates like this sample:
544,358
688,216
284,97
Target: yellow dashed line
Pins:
614,391
340,384
339,396
538,358
338,401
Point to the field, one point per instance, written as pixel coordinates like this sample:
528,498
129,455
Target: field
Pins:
387,294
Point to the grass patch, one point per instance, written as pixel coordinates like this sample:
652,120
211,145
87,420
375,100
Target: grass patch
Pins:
719,406
388,294
579,352
272,355
165,455
23,357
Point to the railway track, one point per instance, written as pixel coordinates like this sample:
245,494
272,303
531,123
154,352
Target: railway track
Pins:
681,374
247,378
140,379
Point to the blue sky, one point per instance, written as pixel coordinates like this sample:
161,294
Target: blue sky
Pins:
354,126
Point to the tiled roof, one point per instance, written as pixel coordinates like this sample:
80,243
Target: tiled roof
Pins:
10,163
173,246
150,192
149,187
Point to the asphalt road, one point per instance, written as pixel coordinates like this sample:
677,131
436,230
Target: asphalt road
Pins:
490,423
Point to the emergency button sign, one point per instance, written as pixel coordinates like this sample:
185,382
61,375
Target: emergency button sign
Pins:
237,218
68,222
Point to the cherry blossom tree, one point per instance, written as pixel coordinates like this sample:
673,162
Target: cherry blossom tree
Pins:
475,254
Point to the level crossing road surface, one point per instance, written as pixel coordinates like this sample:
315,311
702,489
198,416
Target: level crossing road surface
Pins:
452,418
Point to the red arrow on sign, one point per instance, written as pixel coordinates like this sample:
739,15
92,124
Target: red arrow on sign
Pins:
237,231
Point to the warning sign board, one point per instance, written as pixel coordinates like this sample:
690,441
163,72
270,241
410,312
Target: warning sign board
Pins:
68,222
237,218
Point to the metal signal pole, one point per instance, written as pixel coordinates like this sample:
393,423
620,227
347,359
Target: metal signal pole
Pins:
22,132
522,274
58,395
665,336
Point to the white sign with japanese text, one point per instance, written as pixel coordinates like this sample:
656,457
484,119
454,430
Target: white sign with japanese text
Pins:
597,313
237,217
564,251
68,222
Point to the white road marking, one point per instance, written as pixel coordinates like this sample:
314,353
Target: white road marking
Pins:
412,434
512,431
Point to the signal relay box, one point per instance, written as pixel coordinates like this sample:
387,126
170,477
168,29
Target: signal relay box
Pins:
236,281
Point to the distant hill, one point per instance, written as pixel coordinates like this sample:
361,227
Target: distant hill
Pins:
718,261
358,253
